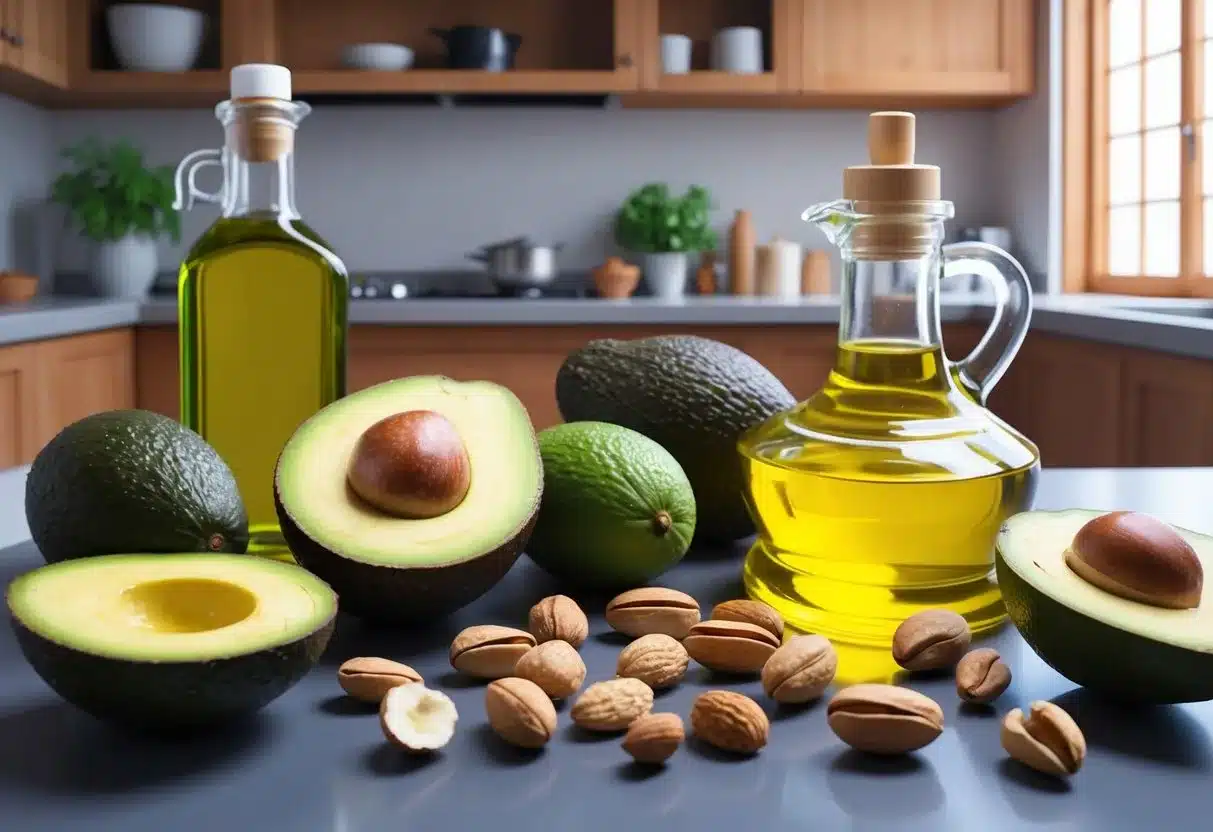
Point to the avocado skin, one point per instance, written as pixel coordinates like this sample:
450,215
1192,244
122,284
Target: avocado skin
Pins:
171,697
1111,663
402,595
692,395
132,481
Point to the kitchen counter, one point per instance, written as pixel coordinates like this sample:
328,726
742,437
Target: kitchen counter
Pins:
311,764
1128,321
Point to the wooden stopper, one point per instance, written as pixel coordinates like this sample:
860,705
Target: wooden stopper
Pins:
891,138
263,132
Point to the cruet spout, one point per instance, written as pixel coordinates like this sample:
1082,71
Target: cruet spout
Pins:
836,219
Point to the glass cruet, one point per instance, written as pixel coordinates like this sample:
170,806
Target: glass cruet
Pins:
881,494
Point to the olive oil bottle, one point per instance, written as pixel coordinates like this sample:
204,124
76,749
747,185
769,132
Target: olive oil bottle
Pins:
881,495
262,298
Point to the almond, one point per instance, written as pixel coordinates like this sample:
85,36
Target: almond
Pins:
612,705
488,651
369,679
520,712
654,609
559,618
653,738
751,612
555,666
658,660
730,721
730,646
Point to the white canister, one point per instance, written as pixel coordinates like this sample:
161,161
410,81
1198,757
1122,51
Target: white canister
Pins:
784,262
738,49
675,54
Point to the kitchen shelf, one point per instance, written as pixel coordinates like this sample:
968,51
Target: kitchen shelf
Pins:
439,81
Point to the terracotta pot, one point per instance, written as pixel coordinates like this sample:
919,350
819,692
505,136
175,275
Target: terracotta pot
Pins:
16,287
616,279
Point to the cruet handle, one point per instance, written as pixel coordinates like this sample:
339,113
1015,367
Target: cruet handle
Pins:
187,183
984,366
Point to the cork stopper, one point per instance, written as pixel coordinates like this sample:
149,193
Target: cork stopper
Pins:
261,93
892,175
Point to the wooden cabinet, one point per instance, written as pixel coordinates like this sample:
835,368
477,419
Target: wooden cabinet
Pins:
1167,415
33,41
47,385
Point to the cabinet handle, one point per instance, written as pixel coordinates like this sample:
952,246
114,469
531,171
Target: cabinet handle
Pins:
625,60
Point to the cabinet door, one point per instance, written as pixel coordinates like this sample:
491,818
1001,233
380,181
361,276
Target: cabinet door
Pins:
18,405
83,375
36,39
928,48
1168,410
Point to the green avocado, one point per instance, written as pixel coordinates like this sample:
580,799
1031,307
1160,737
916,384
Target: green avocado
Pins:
132,481
1120,649
392,569
693,396
617,508
171,643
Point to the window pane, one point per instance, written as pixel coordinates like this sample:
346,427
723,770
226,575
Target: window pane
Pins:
1124,240
1124,100
1162,91
1124,31
1162,163
1162,239
1162,26
1124,170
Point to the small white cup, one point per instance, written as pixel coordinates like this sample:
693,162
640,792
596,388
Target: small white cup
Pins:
738,49
675,54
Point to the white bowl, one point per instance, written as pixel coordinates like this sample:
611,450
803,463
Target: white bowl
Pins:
155,38
379,56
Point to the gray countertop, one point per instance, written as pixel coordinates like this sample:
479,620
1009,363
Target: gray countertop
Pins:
310,764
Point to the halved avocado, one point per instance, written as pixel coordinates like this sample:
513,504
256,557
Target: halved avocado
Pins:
171,642
1120,649
394,569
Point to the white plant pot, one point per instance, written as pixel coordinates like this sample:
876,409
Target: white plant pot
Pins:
665,274
124,268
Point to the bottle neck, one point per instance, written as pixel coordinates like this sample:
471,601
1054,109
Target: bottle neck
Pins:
264,188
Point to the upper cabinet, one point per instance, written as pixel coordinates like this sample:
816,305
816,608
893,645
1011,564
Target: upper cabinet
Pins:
650,53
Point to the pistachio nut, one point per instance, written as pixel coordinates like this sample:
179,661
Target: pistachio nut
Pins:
368,678
800,670
884,719
652,609
488,651
751,612
730,646
1047,740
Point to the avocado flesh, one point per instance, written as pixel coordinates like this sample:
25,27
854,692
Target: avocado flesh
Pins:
396,569
132,481
1118,648
169,643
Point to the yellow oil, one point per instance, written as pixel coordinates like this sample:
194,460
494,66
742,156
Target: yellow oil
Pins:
881,496
263,347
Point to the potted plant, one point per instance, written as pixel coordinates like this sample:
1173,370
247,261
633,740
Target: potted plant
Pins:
122,206
663,229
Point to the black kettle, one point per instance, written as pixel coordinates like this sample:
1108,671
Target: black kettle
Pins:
479,47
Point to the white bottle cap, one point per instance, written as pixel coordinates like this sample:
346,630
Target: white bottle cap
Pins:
261,81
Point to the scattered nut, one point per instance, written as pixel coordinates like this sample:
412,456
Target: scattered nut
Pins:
612,705
653,738
555,666
1048,741
751,612
488,651
884,719
639,612
520,712
982,676
658,660
416,718
730,646
730,721
1138,557
368,679
931,640
559,618
800,670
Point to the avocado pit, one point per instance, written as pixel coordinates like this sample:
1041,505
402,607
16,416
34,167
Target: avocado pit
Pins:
412,465
1138,557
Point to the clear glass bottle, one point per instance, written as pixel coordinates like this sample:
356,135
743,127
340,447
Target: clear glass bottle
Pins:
881,494
262,297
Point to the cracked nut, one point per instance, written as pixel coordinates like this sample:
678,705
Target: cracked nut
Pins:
730,646
653,738
730,721
884,719
1048,740
555,666
520,712
368,679
653,609
612,705
658,660
982,676
931,640
417,719
800,670
488,651
751,612
559,618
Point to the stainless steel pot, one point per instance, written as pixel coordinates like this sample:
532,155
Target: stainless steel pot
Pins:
519,263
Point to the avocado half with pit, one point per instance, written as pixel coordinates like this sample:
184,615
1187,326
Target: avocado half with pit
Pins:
389,567
1117,648
171,642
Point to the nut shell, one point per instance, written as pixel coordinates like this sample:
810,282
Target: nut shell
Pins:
884,719
730,646
653,738
1047,740
612,705
730,721
488,651
751,612
658,660
800,670
931,640
520,712
368,678
555,666
652,609
559,618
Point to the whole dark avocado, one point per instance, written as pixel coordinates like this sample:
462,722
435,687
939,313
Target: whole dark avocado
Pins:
692,395
132,481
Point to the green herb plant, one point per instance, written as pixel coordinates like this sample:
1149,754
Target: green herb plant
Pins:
110,193
653,220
